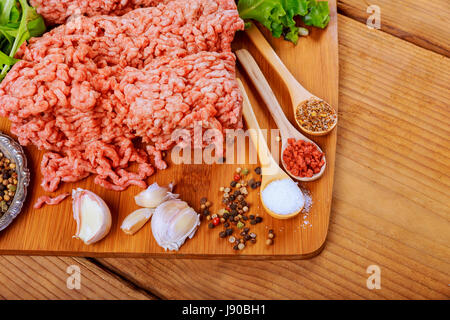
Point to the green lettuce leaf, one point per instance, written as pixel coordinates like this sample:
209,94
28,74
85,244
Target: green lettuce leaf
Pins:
319,14
18,23
278,15
292,9
267,12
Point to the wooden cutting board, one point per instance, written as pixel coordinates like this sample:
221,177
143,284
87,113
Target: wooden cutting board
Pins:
49,231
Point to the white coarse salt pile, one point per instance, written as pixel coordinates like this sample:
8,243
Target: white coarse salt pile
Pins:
283,197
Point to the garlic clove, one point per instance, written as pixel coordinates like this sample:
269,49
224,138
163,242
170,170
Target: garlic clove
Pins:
92,216
184,224
173,222
136,220
170,208
154,195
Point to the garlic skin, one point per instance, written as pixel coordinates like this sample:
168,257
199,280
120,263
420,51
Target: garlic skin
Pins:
136,220
173,222
154,195
92,216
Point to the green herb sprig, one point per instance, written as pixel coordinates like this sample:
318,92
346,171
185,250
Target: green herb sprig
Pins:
18,23
278,15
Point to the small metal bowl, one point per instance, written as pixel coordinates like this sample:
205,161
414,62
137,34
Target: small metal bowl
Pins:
13,151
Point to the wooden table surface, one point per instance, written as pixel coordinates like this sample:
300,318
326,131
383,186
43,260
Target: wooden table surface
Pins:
391,194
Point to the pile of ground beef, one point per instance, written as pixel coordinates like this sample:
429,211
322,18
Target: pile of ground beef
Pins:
86,91
57,11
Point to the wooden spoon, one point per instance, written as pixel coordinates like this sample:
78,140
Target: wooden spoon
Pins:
270,170
297,92
287,130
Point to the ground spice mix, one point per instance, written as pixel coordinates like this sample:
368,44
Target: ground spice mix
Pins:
315,115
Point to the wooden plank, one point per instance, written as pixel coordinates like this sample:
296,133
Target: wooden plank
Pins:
315,63
46,278
390,204
422,22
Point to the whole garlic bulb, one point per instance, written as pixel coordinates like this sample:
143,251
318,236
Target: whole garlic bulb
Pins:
92,216
154,195
173,222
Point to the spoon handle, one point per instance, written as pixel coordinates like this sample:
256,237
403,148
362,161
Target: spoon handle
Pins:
268,164
297,92
263,87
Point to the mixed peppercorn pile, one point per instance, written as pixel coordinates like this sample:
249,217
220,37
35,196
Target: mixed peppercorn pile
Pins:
8,183
236,211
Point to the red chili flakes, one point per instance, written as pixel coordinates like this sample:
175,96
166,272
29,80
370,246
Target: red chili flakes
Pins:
302,159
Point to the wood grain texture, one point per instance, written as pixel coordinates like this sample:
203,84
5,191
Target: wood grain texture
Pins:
45,278
390,201
391,195
314,62
422,22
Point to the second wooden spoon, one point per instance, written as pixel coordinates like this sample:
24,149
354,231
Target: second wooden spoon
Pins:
297,92
287,130
271,171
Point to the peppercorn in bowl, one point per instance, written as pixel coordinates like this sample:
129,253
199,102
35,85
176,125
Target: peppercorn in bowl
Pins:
14,179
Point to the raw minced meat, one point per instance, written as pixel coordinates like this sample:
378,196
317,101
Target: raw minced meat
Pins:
175,29
199,87
50,201
84,94
57,11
